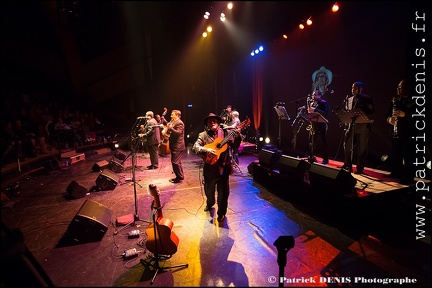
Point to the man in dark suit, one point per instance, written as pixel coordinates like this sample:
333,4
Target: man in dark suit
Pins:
319,129
175,131
153,137
217,169
361,131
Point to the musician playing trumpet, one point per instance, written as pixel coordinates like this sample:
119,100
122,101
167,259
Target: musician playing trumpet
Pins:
316,104
399,116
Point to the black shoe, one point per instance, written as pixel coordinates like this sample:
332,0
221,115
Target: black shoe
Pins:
207,208
221,218
175,180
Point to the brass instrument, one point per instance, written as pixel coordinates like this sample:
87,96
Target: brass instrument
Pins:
310,103
395,129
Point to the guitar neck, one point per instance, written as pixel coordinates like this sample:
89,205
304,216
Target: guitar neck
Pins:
226,139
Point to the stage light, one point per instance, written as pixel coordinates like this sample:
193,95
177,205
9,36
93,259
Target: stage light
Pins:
309,21
204,34
230,5
335,7
206,15
285,36
209,29
301,26
267,140
222,17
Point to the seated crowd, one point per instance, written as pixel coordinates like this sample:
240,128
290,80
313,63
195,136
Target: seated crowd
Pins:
30,128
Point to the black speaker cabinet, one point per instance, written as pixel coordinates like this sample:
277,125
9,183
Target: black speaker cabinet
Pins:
99,166
292,166
115,166
336,180
90,223
120,155
268,159
75,190
107,180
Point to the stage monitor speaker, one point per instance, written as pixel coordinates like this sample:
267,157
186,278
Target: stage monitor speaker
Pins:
292,166
120,155
90,223
99,166
268,159
107,180
115,166
250,167
328,178
75,190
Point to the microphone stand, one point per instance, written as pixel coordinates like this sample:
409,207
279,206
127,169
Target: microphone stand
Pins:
135,216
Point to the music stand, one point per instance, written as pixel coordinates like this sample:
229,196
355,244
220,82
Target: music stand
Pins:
318,118
282,115
352,117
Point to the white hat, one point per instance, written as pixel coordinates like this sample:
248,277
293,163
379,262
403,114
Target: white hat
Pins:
324,70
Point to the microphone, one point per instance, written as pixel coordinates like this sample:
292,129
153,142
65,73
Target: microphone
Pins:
141,117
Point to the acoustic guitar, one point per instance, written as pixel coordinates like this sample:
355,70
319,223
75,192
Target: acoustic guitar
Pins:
220,144
165,242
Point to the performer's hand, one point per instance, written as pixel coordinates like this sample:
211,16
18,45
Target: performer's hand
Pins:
311,110
211,152
398,113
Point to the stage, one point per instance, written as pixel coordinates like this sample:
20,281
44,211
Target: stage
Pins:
337,233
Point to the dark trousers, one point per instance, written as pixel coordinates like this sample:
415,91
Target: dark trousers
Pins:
176,157
154,156
361,138
320,140
216,180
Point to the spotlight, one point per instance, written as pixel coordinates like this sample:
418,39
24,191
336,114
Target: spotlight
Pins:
335,7
206,15
301,26
309,21
222,17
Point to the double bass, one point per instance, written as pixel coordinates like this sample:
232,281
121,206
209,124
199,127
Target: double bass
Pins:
164,145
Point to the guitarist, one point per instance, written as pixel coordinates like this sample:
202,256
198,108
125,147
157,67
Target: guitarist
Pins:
235,121
216,176
175,132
